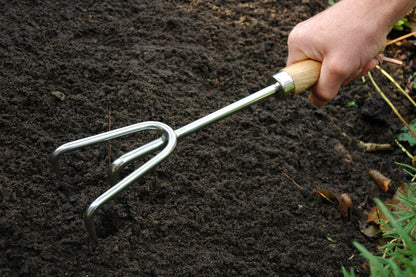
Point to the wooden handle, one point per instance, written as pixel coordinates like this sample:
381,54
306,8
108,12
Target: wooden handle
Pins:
304,74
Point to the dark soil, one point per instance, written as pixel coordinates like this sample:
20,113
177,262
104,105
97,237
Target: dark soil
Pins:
219,205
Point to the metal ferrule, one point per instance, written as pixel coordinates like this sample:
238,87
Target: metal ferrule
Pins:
285,81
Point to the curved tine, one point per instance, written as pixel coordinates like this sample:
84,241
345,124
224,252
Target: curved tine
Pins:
73,145
134,176
133,155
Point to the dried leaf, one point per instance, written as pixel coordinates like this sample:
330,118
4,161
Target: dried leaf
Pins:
328,196
370,230
383,182
366,267
375,216
346,157
59,95
345,204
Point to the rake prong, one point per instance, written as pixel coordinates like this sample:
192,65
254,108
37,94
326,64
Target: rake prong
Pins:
128,157
134,176
74,145
169,138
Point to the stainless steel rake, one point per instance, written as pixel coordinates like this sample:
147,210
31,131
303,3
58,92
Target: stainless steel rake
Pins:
289,81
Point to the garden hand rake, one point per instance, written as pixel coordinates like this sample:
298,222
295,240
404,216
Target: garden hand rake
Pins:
289,81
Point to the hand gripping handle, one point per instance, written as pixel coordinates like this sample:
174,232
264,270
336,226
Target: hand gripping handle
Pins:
299,76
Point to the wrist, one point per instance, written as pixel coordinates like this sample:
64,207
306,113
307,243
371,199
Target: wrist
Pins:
382,14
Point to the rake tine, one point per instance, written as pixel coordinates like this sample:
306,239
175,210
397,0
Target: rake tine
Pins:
74,145
134,176
168,138
128,157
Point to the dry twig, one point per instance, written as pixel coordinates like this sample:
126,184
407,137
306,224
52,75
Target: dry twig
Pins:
396,84
400,38
365,146
390,104
293,181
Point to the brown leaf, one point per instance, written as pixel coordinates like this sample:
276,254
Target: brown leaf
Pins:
376,216
345,204
370,230
343,152
328,196
383,182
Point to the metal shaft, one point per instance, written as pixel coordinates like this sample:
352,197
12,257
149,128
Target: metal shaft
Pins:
226,111
194,126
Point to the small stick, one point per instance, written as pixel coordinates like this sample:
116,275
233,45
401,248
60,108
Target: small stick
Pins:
381,58
393,61
339,129
396,84
293,181
365,146
404,149
373,147
390,104
400,38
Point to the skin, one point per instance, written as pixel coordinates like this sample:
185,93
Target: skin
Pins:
346,38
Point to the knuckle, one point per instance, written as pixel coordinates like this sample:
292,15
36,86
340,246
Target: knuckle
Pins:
296,35
340,68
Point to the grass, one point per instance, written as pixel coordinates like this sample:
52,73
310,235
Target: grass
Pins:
398,256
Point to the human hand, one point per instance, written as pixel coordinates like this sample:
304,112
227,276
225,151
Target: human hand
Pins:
344,39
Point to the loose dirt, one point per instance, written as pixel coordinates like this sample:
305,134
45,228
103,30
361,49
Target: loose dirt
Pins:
219,205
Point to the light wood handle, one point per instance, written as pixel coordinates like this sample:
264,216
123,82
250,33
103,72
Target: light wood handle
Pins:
304,74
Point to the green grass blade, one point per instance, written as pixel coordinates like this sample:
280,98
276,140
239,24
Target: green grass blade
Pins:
392,221
376,265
